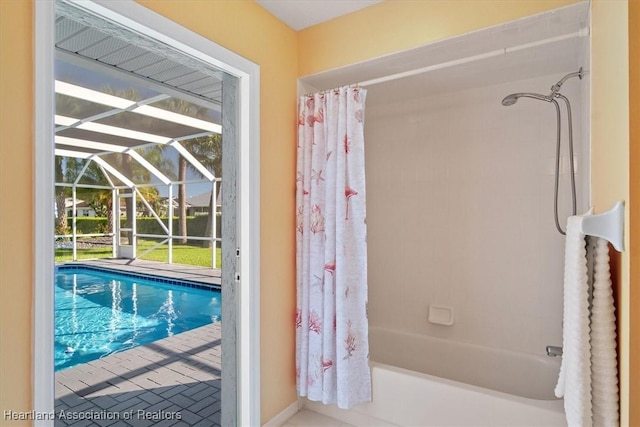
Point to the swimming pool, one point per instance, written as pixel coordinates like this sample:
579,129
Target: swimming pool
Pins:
100,312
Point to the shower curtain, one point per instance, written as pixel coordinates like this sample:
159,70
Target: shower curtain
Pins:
332,347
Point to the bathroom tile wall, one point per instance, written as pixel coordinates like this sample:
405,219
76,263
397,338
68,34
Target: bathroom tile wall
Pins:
460,212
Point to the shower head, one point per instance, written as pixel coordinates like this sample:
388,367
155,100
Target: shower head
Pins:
511,99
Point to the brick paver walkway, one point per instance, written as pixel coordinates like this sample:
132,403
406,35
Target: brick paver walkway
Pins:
171,382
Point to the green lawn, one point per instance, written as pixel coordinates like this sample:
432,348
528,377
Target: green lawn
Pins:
182,254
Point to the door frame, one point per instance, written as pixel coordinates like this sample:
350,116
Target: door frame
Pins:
134,16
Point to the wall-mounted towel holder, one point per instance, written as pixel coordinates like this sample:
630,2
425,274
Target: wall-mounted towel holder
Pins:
607,225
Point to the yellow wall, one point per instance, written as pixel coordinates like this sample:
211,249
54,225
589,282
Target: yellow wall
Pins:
250,31
610,154
634,204
243,27
16,171
282,55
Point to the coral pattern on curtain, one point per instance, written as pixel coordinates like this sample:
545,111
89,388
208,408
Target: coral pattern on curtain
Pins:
332,346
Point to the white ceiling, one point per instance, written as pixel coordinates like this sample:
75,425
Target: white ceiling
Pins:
300,14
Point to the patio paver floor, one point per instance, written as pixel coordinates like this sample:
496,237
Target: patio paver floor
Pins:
171,382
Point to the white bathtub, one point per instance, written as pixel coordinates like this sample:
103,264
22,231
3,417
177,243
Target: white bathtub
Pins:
459,385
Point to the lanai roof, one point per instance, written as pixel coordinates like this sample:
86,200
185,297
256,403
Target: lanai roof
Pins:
118,93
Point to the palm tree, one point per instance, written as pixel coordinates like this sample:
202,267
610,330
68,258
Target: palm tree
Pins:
183,107
124,160
208,151
152,196
60,198
124,163
99,200
156,156
102,203
204,148
66,170
139,175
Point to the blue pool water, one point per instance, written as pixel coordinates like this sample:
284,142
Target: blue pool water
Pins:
100,312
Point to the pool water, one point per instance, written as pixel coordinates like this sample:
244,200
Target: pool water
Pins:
98,313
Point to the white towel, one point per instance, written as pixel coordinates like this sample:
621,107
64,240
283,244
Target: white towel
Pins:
574,382
604,364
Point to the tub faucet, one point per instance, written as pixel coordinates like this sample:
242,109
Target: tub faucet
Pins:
554,351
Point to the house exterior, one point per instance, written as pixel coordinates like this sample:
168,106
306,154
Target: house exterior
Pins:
82,208
284,55
199,204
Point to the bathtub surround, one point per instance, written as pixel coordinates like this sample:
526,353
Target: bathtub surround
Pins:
332,347
460,212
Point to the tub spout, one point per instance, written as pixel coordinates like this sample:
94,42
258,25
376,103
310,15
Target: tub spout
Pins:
554,351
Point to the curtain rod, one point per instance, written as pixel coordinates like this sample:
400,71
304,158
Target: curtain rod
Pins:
583,32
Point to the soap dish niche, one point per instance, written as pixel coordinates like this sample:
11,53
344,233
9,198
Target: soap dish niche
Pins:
440,315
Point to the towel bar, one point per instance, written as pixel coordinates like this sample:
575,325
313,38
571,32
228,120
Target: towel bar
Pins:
607,225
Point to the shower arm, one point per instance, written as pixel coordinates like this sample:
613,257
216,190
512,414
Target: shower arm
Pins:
556,87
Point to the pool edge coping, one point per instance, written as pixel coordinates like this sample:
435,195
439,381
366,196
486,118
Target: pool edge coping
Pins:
187,283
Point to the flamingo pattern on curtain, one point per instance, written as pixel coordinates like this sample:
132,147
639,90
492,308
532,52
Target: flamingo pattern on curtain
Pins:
332,346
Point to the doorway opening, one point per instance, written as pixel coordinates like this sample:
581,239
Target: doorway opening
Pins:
83,36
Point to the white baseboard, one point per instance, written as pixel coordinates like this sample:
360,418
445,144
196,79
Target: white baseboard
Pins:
284,415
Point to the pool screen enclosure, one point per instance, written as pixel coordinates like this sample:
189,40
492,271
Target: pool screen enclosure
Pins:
137,139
